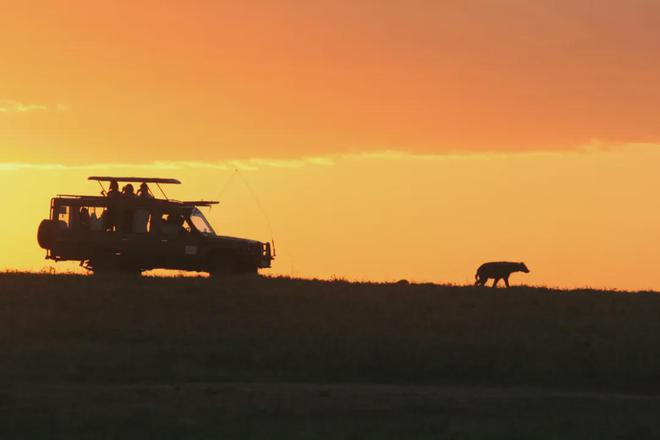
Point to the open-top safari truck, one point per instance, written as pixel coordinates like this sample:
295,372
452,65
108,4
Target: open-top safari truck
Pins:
132,232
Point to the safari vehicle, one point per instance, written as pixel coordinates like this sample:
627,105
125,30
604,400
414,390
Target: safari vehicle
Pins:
131,233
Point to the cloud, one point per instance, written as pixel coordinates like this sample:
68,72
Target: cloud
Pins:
252,164
20,166
11,106
255,164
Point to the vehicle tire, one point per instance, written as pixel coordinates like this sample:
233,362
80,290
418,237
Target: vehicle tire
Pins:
107,265
46,233
105,271
222,266
248,270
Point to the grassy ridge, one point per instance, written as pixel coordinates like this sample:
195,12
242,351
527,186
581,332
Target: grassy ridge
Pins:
149,330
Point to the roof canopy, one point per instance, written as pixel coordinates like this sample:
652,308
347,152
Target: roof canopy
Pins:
134,179
141,201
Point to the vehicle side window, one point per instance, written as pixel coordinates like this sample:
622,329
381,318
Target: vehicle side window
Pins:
141,221
186,226
174,224
83,218
96,220
63,216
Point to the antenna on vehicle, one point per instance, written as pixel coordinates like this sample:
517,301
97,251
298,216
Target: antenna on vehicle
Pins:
256,200
261,209
227,182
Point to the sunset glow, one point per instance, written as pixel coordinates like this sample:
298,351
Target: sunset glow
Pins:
372,140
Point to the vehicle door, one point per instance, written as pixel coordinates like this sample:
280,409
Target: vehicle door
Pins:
136,239
178,243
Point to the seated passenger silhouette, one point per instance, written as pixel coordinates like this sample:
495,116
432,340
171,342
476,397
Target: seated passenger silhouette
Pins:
95,222
173,225
83,219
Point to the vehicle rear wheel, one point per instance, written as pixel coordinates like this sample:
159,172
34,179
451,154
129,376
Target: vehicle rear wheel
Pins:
120,272
107,265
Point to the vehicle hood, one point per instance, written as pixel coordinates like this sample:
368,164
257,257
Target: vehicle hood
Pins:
226,238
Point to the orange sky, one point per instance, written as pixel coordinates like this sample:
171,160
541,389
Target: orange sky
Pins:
515,129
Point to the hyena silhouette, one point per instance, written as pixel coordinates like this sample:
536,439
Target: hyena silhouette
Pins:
498,270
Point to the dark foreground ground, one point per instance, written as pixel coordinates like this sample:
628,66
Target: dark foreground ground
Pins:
87,357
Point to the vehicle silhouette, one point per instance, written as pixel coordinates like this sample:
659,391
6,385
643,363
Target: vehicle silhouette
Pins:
132,232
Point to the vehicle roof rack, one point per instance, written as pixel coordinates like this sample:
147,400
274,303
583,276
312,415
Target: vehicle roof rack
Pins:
199,203
157,180
141,200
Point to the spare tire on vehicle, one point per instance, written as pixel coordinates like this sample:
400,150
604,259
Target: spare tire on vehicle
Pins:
46,233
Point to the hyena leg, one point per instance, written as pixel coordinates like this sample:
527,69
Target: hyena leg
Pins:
495,281
506,281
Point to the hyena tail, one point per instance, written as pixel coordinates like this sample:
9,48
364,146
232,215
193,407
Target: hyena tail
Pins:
476,278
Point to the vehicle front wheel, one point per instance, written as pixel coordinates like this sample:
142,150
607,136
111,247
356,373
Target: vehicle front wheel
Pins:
222,267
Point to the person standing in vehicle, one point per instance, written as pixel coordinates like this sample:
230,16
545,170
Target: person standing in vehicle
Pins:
141,215
128,191
109,216
144,192
114,189
127,216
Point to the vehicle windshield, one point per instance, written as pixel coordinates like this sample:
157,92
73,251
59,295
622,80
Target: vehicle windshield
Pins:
200,222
